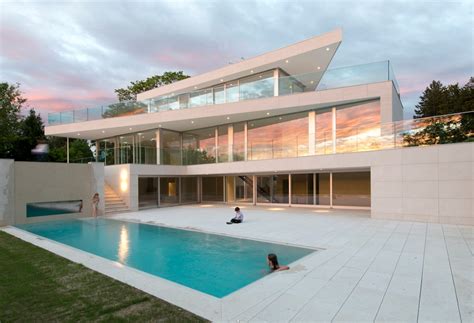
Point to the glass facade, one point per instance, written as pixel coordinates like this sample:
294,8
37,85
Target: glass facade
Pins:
238,144
212,188
169,191
323,132
189,190
170,147
147,192
322,189
278,137
273,189
351,189
302,189
145,147
244,188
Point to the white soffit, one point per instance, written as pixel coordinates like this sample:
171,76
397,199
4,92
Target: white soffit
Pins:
300,58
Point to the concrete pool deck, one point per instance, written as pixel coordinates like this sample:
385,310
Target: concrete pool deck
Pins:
368,270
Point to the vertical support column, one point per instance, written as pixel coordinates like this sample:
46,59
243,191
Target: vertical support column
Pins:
158,144
230,142
314,188
289,190
97,151
199,189
216,143
254,189
311,132
158,202
245,142
334,133
276,82
67,149
330,190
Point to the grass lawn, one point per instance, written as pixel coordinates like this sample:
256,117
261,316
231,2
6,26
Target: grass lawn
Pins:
36,285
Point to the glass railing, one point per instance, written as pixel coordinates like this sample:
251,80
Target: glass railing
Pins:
239,90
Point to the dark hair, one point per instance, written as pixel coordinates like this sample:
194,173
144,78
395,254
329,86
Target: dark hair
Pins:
237,209
273,261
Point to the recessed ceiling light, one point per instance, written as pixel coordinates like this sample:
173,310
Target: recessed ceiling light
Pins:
195,87
268,113
121,137
103,131
327,48
287,61
280,118
159,126
260,76
319,67
228,118
78,134
192,121
222,80
140,133
311,82
130,128
230,84
251,71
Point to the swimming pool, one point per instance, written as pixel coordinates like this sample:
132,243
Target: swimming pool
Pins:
214,264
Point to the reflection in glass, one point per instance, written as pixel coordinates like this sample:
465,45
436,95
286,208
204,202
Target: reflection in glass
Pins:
200,98
106,151
356,126
257,86
213,189
219,94
273,189
278,137
232,91
126,149
239,142
189,190
222,144
147,192
170,147
351,189
322,189
199,146
302,189
169,190
323,128
145,147
244,188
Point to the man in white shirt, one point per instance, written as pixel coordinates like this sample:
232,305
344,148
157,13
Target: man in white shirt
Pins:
238,218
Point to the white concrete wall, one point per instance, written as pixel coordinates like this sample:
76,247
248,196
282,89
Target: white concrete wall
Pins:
118,177
7,189
49,182
434,184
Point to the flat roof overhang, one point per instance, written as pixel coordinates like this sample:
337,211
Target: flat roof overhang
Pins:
213,115
300,58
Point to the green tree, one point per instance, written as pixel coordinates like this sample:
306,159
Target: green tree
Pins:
11,102
31,134
130,92
79,150
433,101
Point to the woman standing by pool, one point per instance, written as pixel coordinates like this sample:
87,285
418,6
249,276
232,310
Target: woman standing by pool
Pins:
95,204
272,261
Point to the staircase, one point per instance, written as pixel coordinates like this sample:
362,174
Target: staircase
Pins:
113,202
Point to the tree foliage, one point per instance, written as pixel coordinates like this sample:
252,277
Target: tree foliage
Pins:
438,99
130,92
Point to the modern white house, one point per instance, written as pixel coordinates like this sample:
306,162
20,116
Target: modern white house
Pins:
282,128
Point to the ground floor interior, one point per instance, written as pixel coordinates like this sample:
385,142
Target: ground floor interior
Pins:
318,189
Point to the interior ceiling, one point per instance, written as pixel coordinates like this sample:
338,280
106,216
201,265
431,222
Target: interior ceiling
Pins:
199,123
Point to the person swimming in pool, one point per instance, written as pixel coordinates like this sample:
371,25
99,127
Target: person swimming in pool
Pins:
272,261
238,218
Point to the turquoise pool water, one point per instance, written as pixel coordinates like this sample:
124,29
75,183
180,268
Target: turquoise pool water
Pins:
213,264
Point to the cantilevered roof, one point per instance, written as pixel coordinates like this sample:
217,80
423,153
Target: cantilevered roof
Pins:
311,55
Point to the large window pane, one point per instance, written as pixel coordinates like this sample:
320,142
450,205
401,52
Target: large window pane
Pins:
126,149
322,189
222,144
232,92
239,142
323,127
170,147
199,146
272,189
356,126
351,189
302,189
169,190
278,137
257,86
106,151
189,193
145,147
147,192
219,95
244,188
200,98
213,189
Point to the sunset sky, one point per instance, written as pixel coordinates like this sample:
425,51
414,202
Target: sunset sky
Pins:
73,55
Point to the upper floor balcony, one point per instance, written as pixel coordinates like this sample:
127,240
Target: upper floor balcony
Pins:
275,82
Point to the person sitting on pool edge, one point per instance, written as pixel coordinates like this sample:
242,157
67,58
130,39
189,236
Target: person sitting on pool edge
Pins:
238,218
272,261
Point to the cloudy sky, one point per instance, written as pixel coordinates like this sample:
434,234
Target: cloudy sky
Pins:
74,54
